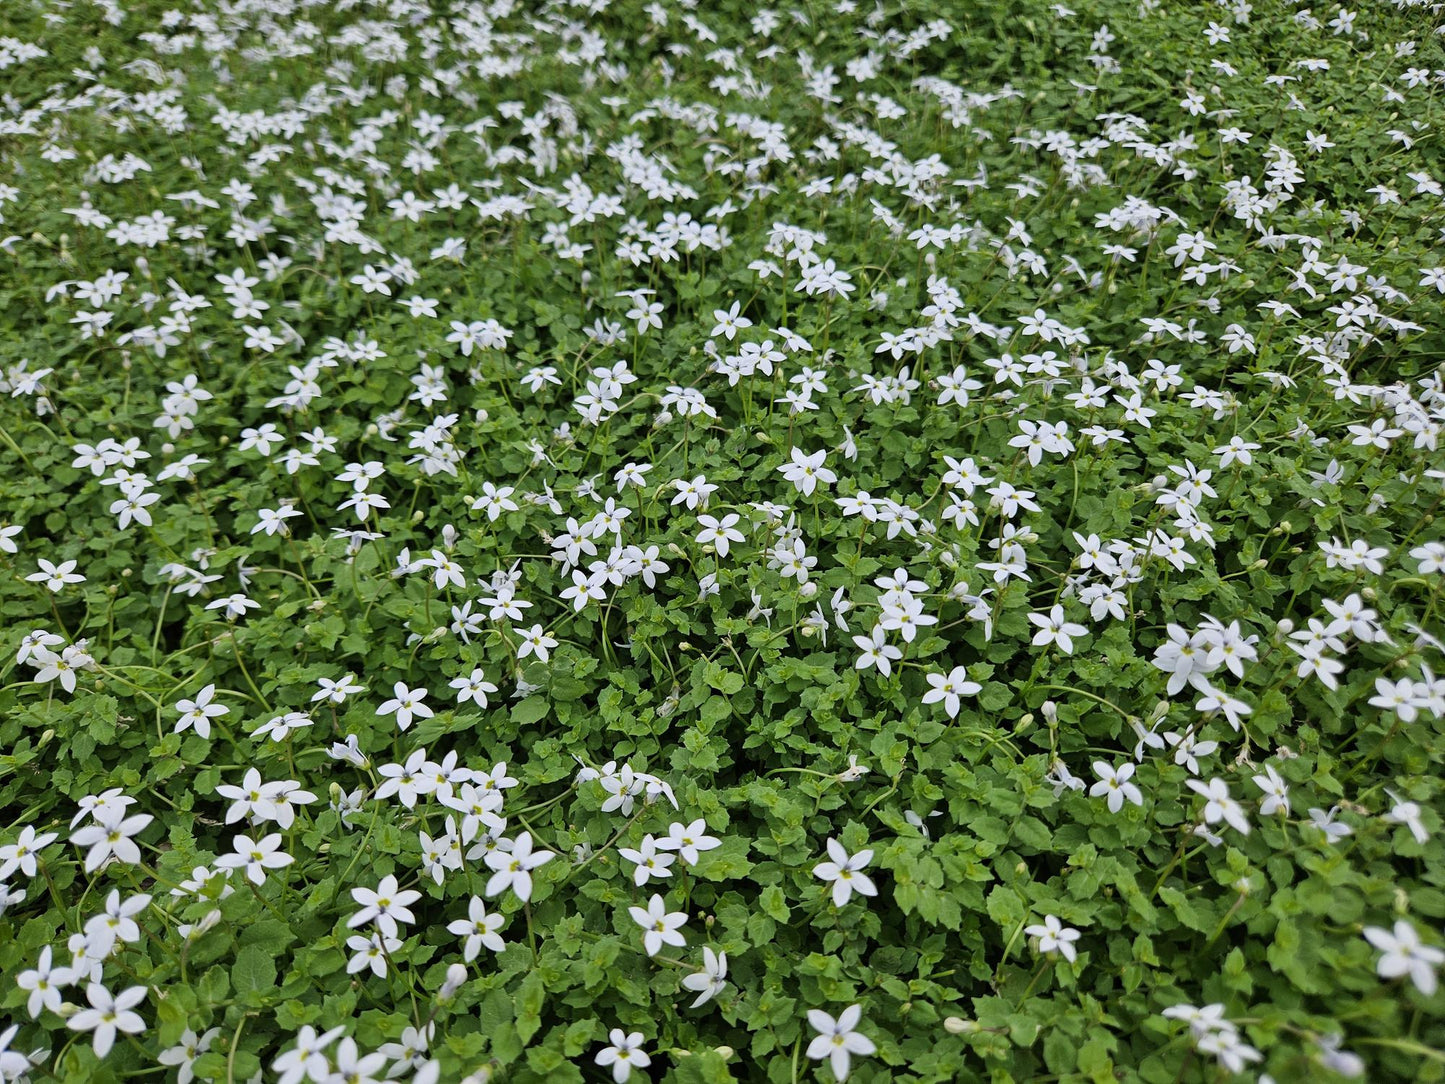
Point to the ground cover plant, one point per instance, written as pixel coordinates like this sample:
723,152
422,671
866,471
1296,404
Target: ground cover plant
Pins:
706,542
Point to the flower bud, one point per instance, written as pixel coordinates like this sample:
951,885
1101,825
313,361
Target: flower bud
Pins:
808,590
1050,712
456,978
957,1025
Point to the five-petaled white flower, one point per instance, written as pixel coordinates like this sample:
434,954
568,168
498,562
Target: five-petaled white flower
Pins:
807,471
838,1040
108,1015
1054,629
845,872
949,688
479,928
1054,936
659,925
56,577
386,906
407,704
111,835
1405,954
256,856
199,712
513,869
1115,783
711,979
624,1053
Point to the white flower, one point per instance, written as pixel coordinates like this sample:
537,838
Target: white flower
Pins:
534,642
371,952
844,871
111,835
948,688
1402,812
659,926
838,1040
711,979
256,856
647,862
624,1054
688,840
185,1053
1054,936
1405,954
336,692
56,577
1115,783
806,471
1053,629
21,854
1220,806
1325,822
407,704
719,533
1276,792
386,906
108,1015
200,711
44,983
513,869
474,687
479,928
306,1058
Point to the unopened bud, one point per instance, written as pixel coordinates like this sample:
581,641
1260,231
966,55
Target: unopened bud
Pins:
456,978
957,1025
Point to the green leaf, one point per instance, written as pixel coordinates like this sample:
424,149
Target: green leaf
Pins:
253,974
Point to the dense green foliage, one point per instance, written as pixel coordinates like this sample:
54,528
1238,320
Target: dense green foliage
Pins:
928,508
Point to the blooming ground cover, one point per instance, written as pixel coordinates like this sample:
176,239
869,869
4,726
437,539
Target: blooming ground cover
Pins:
703,542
